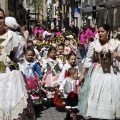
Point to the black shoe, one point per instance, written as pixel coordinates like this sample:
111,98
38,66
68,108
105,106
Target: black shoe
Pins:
67,118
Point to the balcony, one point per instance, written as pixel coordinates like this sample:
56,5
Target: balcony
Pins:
89,9
99,1
108,3
86,4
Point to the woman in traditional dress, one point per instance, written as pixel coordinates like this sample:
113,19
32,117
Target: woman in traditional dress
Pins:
12,25
13,93
99,94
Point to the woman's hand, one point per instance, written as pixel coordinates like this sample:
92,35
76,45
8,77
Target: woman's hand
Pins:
56,85
114,55
81,80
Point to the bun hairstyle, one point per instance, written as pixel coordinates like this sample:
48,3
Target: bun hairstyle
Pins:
107,28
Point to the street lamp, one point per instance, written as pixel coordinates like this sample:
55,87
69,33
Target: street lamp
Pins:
49,13
28,18
59,14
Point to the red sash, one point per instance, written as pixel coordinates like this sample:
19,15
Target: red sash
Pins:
58,101
66,74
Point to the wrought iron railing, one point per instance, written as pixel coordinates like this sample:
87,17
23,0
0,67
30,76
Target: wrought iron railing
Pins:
85,4
99,1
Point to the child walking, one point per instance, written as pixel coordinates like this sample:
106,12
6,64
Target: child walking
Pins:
69,87
32,74
51,68
71,62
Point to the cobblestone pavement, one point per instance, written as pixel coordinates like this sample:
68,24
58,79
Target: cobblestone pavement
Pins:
51,114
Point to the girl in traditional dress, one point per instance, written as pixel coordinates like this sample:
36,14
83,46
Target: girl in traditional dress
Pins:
60,53
70,63
51,68
99,94
67,49
32,73
37,56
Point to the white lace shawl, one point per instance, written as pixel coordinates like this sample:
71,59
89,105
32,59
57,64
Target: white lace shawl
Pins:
27,69
9,44
13,95
114,45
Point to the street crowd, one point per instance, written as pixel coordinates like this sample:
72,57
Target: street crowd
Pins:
38,67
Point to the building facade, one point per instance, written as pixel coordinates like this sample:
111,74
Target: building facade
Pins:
54,13
4,6
71,10
107,11
17,10
111,13
37,10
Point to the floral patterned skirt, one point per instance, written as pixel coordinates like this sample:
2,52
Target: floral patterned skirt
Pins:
34,89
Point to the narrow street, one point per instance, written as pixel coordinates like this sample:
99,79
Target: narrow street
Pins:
57,53
53,114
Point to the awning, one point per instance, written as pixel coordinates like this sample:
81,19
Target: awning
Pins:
110,3
89,9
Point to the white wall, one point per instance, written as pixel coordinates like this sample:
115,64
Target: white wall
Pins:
2,4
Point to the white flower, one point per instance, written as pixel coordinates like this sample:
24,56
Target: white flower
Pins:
70,36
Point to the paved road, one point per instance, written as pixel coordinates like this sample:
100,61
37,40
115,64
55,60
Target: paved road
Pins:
53,114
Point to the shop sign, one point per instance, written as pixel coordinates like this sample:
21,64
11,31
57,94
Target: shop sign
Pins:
77,12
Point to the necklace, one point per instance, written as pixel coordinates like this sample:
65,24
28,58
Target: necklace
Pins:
105,51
